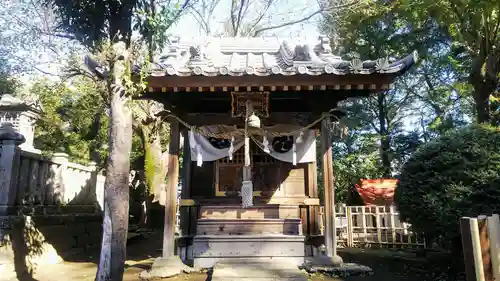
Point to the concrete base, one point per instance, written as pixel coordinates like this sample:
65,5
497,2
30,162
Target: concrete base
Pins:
166,267
251,270
208,249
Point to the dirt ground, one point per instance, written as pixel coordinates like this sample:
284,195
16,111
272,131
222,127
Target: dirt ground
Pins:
386,265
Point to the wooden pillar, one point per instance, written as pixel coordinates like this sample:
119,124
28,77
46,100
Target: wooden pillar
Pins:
186,166
171,197
328,186
186,184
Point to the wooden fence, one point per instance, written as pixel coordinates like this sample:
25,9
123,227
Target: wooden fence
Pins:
481,246
373,226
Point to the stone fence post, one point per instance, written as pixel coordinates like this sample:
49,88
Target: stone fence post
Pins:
9,165
60,177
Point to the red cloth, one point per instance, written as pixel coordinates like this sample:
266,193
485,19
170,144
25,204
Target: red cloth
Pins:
377,192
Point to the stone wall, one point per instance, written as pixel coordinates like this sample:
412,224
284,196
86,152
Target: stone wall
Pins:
33,241
50,208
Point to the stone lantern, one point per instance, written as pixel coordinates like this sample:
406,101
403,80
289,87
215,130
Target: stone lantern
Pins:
22,115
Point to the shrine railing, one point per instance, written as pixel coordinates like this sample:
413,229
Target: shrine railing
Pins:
372,226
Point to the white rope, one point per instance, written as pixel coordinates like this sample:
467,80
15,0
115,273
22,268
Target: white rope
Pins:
241,132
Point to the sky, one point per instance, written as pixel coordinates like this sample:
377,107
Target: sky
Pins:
282,11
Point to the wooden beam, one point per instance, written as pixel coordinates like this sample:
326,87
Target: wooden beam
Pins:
258,200
268,81
171,197
296,118
329,188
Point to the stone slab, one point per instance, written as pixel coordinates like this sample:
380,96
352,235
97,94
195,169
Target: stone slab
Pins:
252,270
166,267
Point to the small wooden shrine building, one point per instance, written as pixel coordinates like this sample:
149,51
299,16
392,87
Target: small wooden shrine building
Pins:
250,111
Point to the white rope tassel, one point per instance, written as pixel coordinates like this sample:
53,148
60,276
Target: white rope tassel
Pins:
199,156
294,154
265,142
247,194
246,185
231,149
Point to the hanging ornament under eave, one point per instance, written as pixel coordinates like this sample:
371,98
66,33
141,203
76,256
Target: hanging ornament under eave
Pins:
251,121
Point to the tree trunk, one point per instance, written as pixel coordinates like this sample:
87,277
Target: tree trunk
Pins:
145,201
385,141
96,126
116,192
482,92
483,77
156,163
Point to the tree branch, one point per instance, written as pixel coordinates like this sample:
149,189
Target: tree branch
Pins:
262,14
260,30
233,19
179,13
201,21
239,17
306,18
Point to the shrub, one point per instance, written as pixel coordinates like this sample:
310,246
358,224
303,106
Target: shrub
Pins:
453,176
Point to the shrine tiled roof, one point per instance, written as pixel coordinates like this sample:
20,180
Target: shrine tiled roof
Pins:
263,56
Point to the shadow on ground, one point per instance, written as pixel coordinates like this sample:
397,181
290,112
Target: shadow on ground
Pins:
401,265
142,250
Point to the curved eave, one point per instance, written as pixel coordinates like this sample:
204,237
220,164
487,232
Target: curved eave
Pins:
354,67
94,67
401,66
345,73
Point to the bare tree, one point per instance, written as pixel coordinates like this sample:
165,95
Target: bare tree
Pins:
254,17
30,43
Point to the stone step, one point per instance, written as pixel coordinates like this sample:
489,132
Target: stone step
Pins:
249,226
251,270
255,212
208,249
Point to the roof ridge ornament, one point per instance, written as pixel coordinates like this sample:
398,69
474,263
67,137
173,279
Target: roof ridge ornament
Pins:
302,53
324,44
382,63
356,65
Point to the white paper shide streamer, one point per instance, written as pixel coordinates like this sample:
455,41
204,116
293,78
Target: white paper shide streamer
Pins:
265,142
246,194
199,156
231,149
